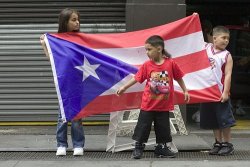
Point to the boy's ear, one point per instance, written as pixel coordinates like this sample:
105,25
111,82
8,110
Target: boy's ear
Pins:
159,48
214,37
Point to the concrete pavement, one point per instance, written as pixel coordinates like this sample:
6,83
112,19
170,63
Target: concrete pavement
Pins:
42,138
140,163
35,146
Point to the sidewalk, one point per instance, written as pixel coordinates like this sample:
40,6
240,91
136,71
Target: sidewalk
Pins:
29,146
73,163
42,138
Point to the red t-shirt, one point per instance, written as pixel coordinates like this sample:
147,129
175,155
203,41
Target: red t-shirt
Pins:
158,92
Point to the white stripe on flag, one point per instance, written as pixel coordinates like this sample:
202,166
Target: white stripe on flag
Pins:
135,88
198,80
194,81
51,57
185,45
191,43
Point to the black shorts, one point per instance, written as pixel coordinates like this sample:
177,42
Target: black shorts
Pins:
216,115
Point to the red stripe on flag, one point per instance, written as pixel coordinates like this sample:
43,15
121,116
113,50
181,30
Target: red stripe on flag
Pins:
209,94
185,26
193,62
129,101
102,104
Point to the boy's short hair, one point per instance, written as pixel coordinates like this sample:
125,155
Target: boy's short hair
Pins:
220,29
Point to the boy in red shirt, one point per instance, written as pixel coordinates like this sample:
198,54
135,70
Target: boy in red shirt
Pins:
157,99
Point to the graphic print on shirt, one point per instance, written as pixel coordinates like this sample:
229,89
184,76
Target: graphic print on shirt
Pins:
212,62
159,85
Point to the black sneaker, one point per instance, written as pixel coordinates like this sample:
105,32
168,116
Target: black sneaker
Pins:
226,149
216,148
162,150
138,151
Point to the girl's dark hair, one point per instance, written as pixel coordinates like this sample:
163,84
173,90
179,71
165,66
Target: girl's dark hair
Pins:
63,19
157,40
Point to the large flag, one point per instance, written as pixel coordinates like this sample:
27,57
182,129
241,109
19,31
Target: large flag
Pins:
89,68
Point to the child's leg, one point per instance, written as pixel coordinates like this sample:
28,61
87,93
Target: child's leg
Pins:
61,133
226,121
227,147
77,136
141,132
163,135
162,127
217,135
226,132
61,137
217,144
143,126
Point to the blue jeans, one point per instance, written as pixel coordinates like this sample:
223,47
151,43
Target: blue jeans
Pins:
77,133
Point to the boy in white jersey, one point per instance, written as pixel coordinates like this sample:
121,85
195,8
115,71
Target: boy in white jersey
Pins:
218,116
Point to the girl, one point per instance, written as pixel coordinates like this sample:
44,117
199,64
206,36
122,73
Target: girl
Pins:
69,21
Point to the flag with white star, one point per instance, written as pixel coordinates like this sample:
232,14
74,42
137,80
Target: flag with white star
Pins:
83,74
89,68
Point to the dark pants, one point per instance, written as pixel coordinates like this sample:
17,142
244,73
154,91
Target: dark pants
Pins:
161,127
216,115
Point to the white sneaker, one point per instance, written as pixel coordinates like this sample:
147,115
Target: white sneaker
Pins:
78,151
61,151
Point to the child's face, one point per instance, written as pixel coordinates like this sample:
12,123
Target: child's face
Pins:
73,24
221,41
153,53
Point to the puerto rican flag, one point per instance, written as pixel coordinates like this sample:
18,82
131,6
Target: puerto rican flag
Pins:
89,68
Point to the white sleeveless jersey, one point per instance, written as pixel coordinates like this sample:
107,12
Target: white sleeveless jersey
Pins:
218,61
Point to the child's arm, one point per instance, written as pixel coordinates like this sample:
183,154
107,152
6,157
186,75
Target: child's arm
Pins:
122,89
227,81
44,45
183,87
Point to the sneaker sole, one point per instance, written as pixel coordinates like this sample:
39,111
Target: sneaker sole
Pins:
165,156
213,153
230,153
136,157
78,154
60,154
